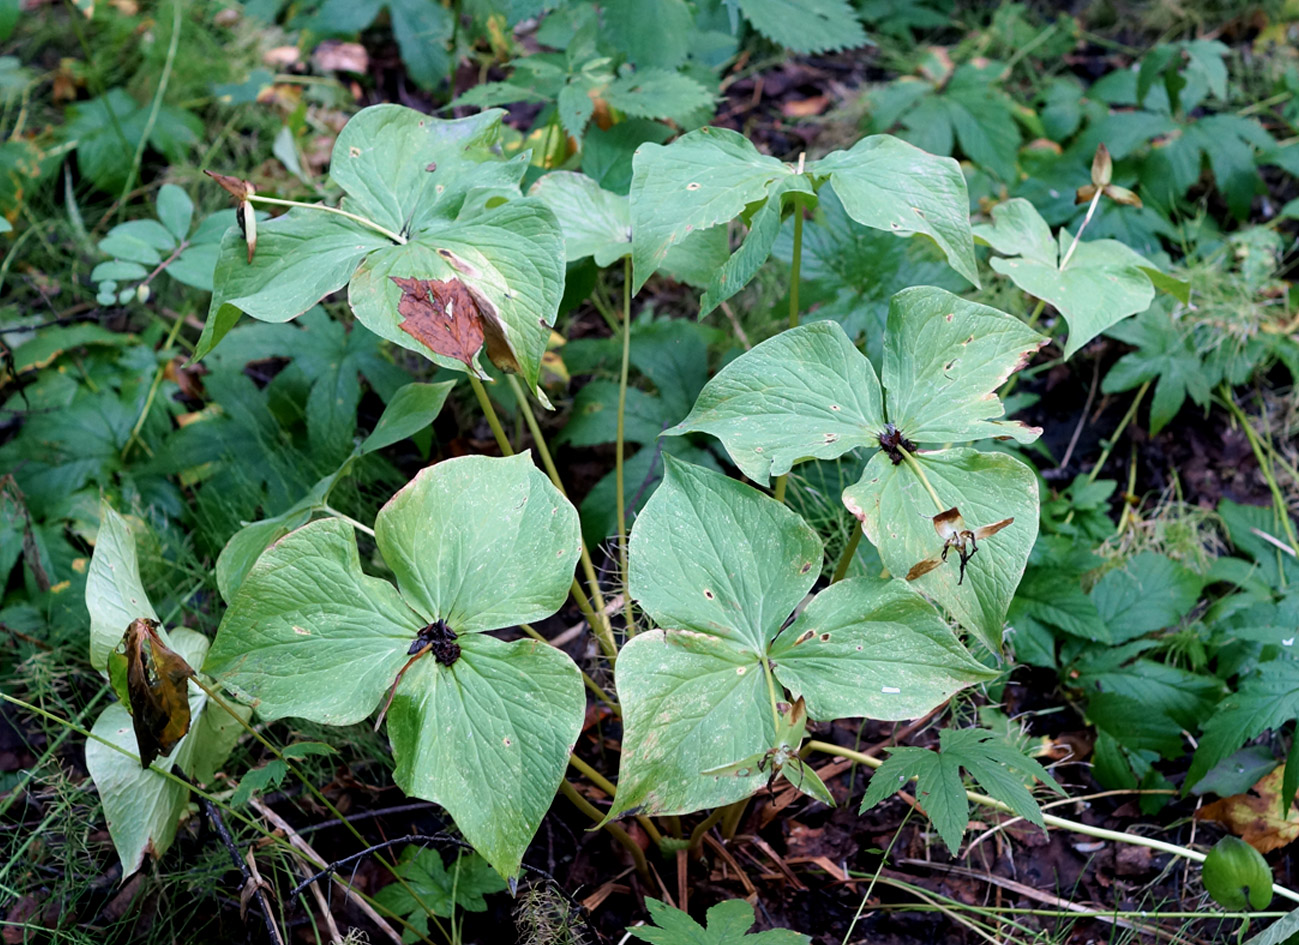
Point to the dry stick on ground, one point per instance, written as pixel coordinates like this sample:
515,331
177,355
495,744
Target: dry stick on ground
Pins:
317,860
1030,893
255,883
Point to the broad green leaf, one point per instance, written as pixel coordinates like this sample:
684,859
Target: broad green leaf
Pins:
728,923
887,184
1058,600
489,737
865,647
896,512
512,255
114,594
1103,282
806,26
744,264
702,179
422,31
301,257
175,210
806,393
714,555
309,634
480,542
382,159
944,359
412,408
242,550
690,702
595,222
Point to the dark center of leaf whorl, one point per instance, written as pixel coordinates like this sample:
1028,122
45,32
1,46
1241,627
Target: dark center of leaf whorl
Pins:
441,639
891,439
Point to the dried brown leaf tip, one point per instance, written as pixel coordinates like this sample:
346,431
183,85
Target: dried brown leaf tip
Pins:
441,314
952,530
1102,174
157,689
241,190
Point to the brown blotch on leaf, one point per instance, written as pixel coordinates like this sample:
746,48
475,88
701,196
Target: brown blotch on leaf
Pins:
157,690
442,315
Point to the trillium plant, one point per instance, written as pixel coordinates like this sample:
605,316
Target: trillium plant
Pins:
729,643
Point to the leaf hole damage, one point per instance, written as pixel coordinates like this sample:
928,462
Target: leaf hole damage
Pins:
890,441
807,566
708,593
354,151
835,407
693,185
825,638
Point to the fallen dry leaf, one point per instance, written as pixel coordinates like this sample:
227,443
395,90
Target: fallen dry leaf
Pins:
1255,817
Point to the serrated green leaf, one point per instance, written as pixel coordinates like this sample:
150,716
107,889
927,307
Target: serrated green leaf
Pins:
1148,592
888,184
658,93
872,648
806,393
433,887
575,108
728,924
806,26
1264,701
896,513
939,789
1167,355
653,33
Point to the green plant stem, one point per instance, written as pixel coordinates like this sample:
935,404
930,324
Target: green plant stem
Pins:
924,480
732,814
849,552
55,744
614,830
771,693
369,224
591,684
604,784
1118,432
1265,467
876,875
1050,819
1091,209
778,493
619,450
796,265
705,825
153,393
603,628
489,412
156,106
359,526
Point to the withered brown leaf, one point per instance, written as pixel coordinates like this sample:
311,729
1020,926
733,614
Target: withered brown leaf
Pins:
156,686
241,190
441,314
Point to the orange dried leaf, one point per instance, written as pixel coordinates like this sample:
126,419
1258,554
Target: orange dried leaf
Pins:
1255,817
156,684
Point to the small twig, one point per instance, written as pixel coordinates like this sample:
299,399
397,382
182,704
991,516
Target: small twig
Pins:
1082,417
218,824
312,856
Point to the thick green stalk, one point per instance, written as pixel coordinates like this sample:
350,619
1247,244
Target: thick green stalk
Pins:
602,627
796,265
849,552
619,449
493,421
924,480
614,830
